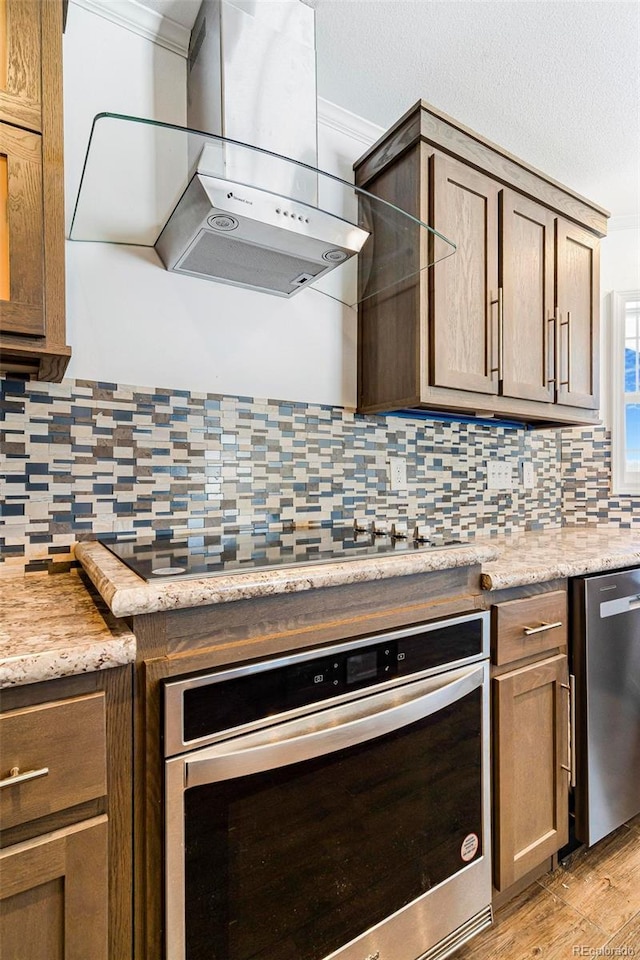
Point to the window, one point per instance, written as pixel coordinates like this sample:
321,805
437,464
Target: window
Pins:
626,392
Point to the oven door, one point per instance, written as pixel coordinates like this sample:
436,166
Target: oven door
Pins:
359,831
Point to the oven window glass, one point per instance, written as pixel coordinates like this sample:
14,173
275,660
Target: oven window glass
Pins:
293,863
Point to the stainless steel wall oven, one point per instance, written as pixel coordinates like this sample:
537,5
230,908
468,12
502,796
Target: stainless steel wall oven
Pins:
332,803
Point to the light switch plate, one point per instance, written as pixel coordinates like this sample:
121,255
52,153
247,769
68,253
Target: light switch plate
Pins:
527,474
499,475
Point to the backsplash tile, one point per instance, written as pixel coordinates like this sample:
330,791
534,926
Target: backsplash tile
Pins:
84,458
586,459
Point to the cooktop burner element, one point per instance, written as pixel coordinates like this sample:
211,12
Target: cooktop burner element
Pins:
223,554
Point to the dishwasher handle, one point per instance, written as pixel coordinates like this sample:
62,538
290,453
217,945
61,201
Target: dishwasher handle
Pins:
611,608
330,730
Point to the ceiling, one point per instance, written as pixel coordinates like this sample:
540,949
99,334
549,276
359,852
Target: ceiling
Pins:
556,82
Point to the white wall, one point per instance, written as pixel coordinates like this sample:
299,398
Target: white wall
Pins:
619,271
129,320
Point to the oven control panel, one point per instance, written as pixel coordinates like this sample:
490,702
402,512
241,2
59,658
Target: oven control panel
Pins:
234,699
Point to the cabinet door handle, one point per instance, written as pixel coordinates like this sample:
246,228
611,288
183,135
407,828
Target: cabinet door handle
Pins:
500,333
500,303
529,631
572,728
571,768
555,320
16,777
567,323
546,338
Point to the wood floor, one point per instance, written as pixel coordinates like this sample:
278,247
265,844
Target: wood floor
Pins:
588,907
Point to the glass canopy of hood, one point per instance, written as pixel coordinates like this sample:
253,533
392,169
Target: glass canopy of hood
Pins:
231,212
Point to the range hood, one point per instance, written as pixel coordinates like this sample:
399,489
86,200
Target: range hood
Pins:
277,246
236,196
252,74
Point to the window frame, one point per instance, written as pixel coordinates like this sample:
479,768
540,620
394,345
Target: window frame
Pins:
622,483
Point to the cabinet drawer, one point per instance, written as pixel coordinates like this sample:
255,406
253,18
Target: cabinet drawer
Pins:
523,628
65,738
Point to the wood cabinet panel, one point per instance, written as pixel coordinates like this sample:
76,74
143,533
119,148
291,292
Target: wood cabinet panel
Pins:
20,77
68,738
32,309
507,325
578,332
24,311
514,620
526,279
389,322
464,286
531,785
53,901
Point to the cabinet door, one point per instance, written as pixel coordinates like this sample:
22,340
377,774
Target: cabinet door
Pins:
464,293
531,779
578,316
20,80
526,308
53,895
21,232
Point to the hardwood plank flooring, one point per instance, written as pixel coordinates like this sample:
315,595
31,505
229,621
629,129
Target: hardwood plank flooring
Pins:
588,907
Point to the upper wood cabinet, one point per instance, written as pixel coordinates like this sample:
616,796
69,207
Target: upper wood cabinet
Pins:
578,313
526,299
22,290
465,288
32,301
20,55
508,325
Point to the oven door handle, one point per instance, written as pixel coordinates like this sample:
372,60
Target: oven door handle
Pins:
330,730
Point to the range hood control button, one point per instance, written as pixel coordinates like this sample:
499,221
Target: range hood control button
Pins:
335,256
222,221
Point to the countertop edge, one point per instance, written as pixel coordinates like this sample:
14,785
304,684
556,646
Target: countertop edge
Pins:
24,669
502,580
136,597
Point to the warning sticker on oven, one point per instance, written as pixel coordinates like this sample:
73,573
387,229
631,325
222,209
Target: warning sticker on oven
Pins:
469,847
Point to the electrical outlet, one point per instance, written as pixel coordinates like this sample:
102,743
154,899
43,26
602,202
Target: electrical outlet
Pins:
527,474
397,473
499,475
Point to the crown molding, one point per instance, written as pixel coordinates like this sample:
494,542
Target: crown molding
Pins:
141,20
331,115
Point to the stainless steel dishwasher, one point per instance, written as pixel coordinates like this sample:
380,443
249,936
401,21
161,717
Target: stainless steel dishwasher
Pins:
606,672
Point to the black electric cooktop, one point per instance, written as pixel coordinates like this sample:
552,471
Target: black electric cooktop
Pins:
222,554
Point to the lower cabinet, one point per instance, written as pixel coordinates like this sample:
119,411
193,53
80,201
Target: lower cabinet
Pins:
54,895
65,818
530,717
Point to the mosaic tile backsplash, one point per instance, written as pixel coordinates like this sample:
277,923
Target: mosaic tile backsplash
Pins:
84,458
586,464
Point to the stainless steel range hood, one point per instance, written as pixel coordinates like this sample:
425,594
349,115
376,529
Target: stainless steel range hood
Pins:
279,247
236,196
252,78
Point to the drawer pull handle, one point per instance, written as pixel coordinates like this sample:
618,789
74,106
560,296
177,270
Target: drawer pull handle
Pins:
541,629
16,777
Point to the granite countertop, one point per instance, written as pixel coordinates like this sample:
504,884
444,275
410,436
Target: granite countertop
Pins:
536,556
55,626
67,623
127,595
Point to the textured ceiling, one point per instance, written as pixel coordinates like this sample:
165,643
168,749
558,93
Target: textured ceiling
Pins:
556,82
